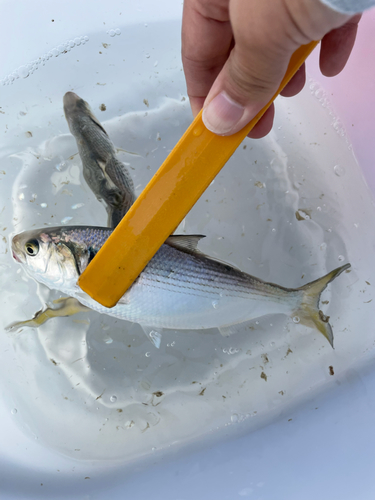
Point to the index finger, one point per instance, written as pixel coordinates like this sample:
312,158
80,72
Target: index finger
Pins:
206,44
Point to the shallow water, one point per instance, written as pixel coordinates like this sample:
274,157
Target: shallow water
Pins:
287,209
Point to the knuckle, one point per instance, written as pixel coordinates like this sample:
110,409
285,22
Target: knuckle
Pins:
250,81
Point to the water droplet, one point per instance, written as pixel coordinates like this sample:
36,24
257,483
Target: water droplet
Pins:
272,344
60,166
296,319
146,25
153,448
61,48
173,344
77,40
319,93
273,230
14,411
55,52
147,55
148,354
113,399
77,205
71,43
341,258
155,64
319,209
323,246
86,38
21,196
65,220
111,33
117,31
234,418
108,340
257,322
23,71
339,170
215,304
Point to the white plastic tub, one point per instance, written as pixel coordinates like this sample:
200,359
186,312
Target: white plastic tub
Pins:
81,411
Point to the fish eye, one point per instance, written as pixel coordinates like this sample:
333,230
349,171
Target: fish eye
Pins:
32,247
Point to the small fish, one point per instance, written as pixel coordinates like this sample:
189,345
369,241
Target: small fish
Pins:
180,288
107,177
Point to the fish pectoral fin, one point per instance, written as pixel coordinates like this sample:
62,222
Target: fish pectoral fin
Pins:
184,241
103,165
153,335
68,306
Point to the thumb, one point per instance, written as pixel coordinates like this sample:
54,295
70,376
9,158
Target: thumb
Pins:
244,86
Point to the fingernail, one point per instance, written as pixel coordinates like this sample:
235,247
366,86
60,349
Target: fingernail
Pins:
222,114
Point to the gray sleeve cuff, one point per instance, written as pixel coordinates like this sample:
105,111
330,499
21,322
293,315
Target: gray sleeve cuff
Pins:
349,6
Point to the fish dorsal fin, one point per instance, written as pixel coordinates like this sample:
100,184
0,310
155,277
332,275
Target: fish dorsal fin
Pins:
97,123
185,241
188,243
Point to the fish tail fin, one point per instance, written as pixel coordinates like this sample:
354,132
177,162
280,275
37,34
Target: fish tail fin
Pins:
309,312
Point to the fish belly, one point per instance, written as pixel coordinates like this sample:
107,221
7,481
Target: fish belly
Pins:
176,310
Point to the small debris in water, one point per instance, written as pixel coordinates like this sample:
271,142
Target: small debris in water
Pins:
265,358
259,184
145,101
263,376
28,134
102,107
331,372
303,214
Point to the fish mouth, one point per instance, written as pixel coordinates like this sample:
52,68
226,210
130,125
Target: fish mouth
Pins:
15,257
73,104
17,253
70,99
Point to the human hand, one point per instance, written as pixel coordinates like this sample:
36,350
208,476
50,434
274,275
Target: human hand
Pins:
236,52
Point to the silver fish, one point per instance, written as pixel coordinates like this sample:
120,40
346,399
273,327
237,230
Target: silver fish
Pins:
107,177
180,288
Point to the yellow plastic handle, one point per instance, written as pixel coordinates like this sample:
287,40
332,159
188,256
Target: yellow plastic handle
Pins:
188,170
